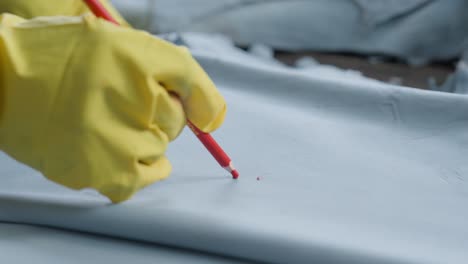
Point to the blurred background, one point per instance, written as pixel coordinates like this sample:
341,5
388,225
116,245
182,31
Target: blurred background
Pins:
413,43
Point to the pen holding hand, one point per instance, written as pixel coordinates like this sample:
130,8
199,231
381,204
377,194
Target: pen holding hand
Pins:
206,139
89,103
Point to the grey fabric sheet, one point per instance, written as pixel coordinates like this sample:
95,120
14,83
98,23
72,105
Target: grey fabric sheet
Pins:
381,11
22,244
414,30
335,168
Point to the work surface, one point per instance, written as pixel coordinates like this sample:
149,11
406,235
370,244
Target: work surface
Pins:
335,168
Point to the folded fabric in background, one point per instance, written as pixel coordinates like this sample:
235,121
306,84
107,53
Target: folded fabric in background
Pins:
417,31
381,11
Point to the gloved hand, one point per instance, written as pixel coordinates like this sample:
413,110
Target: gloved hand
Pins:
34,8
88,103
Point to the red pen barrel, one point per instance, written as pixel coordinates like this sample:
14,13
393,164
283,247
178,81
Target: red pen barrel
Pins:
211,145
100,11
216,151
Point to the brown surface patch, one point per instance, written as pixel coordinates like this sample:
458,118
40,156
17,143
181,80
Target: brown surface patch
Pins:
389,70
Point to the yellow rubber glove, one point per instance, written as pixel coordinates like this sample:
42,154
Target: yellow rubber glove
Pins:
34,8
88,103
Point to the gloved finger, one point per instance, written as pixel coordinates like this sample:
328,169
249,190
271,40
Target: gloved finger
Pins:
168,113
144,176
205,107
160,169
118,191
151,145
142,162
182,75
146,165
